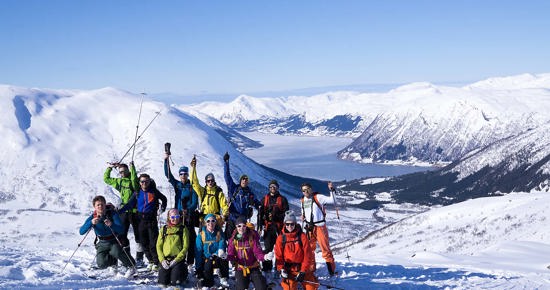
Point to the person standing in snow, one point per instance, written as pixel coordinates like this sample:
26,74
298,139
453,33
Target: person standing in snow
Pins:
210,253
241,198
272,214
147,202
172,246
211,197
313,214
186,201
126,185
245,253
293,256
108,228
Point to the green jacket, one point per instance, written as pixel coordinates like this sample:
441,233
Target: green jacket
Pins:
126,186
174,244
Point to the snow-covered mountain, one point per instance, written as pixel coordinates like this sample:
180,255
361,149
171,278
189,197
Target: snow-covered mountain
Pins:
56,145
519,163
414,123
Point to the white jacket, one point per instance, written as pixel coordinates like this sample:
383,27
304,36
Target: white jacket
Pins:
308,204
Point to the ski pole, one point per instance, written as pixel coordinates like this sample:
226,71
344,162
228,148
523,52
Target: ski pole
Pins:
139,137
87,232
333,190
137,126
122,247
319,284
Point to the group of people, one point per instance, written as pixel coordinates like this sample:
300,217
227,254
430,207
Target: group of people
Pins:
209,230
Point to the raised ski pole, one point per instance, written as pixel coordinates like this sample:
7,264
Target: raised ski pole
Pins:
333,190
137,126
139,137
76,249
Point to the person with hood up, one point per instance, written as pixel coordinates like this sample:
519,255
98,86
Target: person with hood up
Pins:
211,197
293,256
172,246
210,253
245,253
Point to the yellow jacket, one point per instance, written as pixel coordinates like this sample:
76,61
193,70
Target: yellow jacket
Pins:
211,199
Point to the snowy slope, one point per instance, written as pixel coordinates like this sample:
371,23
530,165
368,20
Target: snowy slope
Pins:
57,145
414,123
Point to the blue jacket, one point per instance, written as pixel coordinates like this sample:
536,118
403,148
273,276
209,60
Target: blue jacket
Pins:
210,247
146,202
102,230
241,199
186,197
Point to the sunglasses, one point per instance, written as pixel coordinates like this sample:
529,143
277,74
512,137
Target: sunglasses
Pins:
290,224
304,190
241,226
272,186
174,216
209,180
185,173
210,221
144,181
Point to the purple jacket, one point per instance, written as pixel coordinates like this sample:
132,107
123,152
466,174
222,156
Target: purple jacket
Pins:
242,252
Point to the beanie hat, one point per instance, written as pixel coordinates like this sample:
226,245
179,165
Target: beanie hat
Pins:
290,217
244,176
183,170
240,220
274,182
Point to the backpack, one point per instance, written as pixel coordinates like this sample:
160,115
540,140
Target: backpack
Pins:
316,201
245,200
203,237
180,232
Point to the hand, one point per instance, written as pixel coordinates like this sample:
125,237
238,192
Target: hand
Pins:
330,186
132,163
173,263
166,156
284,274
108,223
163,209
165,264
194,161
226,157
268,256
222,254
300,277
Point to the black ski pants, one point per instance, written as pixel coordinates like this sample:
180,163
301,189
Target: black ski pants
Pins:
255,276
208,271
148,235
173,276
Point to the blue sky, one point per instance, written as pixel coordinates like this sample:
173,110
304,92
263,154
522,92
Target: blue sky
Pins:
232,47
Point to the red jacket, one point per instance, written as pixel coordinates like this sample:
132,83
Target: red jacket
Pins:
294,254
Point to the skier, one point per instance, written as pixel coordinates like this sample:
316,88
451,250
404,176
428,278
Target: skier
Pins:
126,185
313,214
293,256
245,253
172,246
272,214
210,253
108,228
186,201
211,197
147,201
241,198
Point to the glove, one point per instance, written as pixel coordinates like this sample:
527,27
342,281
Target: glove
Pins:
268,256
165,264
222,254
226,157
300,277
173,263
284,274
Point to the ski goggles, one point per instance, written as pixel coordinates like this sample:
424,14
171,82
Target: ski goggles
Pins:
174,216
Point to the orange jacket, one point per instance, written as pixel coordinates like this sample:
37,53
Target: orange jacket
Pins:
295,252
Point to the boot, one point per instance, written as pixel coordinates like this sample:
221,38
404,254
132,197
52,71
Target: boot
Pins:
331,268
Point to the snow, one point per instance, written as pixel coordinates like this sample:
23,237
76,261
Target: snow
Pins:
55,149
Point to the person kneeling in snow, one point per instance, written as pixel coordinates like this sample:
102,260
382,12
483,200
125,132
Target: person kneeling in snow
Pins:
107,226
172,246
210,253
245,253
